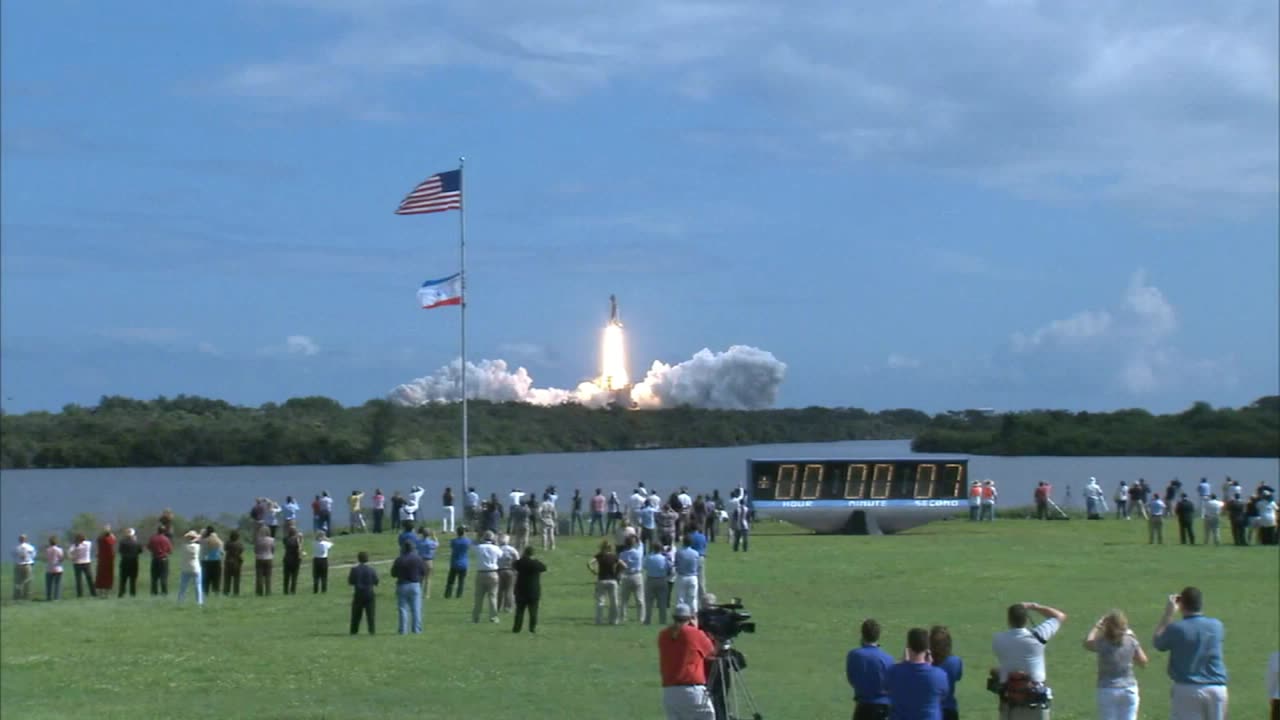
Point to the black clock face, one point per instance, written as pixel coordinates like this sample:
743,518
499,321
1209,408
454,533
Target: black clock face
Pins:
861,479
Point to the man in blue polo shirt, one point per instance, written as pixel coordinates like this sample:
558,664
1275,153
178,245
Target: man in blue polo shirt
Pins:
700,544
916,687
866,668
458,549
1194,644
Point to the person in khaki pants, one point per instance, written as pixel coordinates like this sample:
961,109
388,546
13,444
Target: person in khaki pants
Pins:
632,583
607,568
658,572
507,574
488,557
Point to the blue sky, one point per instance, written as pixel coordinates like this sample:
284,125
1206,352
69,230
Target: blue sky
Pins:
1005,204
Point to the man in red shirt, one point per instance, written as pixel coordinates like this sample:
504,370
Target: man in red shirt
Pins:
683,652
160,548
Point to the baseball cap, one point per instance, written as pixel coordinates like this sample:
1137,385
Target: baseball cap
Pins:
683,612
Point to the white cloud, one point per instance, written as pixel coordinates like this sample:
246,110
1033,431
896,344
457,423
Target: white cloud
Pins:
207,348
1168,104
301,345
1133,343
150,335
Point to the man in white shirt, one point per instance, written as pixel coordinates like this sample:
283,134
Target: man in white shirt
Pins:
1212,520
1204,491
409,510
24,560
731,508
1020,658
635,504
686,502
507,574
320,564
488,556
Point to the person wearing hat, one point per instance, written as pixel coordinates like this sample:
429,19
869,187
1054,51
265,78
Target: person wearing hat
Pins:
190,567
488,557
683,652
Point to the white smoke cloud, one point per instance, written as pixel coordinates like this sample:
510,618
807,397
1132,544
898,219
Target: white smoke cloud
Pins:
741,378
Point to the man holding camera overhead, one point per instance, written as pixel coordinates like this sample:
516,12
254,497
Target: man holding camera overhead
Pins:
1021,676
1194,644
683,654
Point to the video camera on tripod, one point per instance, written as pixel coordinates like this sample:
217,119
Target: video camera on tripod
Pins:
725,621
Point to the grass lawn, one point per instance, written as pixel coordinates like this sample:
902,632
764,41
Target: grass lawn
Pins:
291,657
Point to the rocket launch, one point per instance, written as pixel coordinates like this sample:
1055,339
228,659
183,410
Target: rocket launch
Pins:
613,352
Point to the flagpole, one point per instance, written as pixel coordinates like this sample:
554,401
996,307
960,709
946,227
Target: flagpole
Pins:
462,251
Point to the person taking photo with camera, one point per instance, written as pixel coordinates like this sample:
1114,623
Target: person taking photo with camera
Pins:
1196,667
683,654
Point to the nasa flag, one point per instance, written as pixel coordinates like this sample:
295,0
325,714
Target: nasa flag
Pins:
438,293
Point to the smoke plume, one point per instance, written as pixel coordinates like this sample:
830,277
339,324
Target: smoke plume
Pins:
740,378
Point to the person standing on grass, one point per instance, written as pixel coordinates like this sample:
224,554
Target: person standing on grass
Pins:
105,580
866,668
576,526
1213,520
471,507
81,554
264,552
613,508
53,556
379,510
658,570
632,583
528,589
1019,652
273,516
409,510
289,511
688,567
1185,511
211,561
605,566
742,525
944,660
975,501
357,517
408,570
989,496
160,547
397,511
550,521
326,512
1122,501
684,652
598,505
699,543
459,547
1155,521
320,564
507,574
232,564
129,550
426,545
292,559
190,567
24,562
364,581
518,523
916,688
488,555
1118,651
446,507
1196,667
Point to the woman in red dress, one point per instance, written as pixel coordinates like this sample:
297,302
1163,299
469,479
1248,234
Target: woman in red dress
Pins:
106,561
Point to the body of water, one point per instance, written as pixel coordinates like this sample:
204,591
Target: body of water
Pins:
38,501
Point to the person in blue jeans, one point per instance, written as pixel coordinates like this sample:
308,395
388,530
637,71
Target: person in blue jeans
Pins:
459,547
408,570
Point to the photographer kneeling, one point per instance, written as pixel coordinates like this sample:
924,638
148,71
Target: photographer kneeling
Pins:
683,654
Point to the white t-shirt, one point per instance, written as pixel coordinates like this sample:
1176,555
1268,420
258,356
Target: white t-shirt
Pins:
508,557
1018,650
322,548
1267,513
24,554
637,502
1212,508
191,557
686,502
1273,675
487,555
515,496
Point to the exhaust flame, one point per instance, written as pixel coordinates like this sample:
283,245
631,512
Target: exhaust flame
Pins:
613,359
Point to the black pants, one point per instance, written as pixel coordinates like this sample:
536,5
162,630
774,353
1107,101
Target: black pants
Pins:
743,537
129,576
576,526
159,576
952,713
231,579
377,520
1186,532
459,574
362,604
82,571
262,577
274,529
1237,531
868,711
320,575
531,604
210,576
597,521
291,569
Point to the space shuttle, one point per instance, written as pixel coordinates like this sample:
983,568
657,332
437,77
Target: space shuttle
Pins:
613,311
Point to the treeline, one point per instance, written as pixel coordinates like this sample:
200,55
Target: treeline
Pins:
1199,431
195,431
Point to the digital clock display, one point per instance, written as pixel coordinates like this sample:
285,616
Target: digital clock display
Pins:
891,479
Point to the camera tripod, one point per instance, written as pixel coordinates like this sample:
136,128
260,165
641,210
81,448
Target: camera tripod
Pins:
727,685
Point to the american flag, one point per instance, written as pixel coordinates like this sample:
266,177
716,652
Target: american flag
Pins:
437,193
